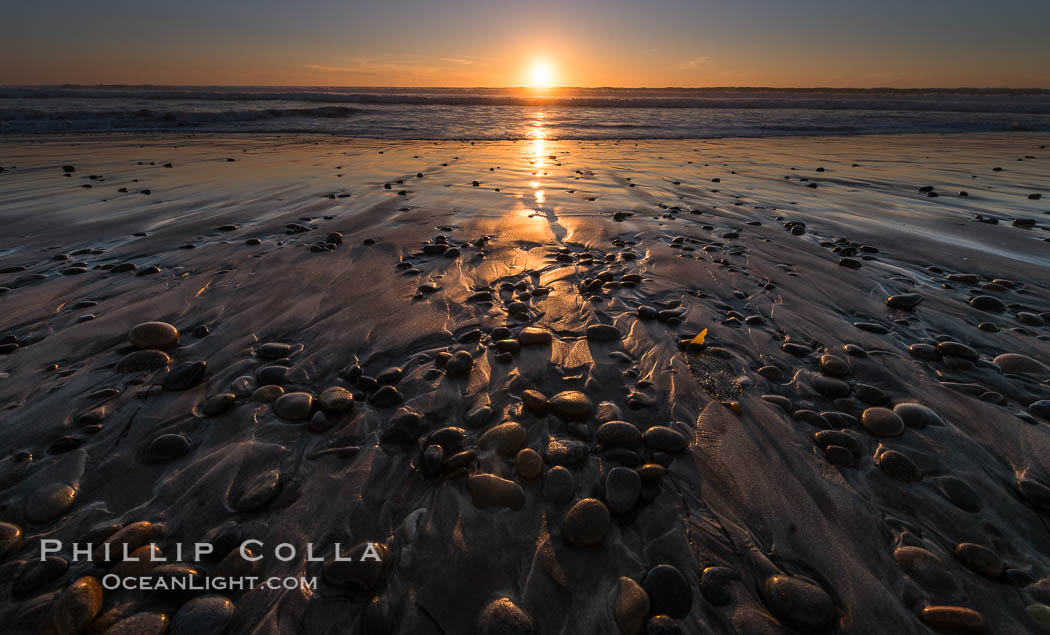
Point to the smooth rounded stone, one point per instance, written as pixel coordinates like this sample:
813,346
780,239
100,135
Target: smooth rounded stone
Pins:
259,491
987,303
319,422
185,375
450,438
489,490
603,333
924,351
840,438
798,602
431,461
779,401
830,387
571,404
651,472
854,350
980,559
1040,614
882,422
36,573
898,466
833,365
390,376
74,608
237,564
958,492
916,415
478,417
529,464
506,438
335,400
403,428
167,447
1017,364
622,488
953,619
872,327
10,538
772,373
839,456
662,625
1040,408
272,375
267,394
386,397
535,401
532,336
796,349
218,404
714,584
154,335
957,349
294,406
178,580
869,394
631,608
142,361
459,364
665,439
586,523
141,624
964,278
904,300
504,617
619,434
1035,493
204,615
125,540
273,350
668,591
927,569
460,460
559,485
48,502
811,417
1030,319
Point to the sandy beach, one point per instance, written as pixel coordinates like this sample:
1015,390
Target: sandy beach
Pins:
482,359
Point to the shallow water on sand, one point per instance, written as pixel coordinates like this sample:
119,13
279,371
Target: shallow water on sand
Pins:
474,453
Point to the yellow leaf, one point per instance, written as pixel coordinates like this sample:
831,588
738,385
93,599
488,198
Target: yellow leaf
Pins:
699,339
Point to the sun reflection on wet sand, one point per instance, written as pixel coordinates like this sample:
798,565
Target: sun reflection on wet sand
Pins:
539,156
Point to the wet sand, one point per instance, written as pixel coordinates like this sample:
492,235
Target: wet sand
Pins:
772,479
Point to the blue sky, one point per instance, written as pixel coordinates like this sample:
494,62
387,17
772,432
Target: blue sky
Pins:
582,43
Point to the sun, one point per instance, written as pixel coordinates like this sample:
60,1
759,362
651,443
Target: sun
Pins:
541,75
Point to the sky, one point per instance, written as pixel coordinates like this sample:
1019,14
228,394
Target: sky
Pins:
691,43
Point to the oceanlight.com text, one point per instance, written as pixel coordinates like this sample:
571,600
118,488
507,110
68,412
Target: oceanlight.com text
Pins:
112,582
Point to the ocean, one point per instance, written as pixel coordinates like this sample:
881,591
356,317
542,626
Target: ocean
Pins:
491,114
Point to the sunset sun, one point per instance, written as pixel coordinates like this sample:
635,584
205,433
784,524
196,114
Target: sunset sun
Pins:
541,75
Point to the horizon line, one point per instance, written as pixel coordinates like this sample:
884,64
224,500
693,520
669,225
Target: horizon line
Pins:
536,88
